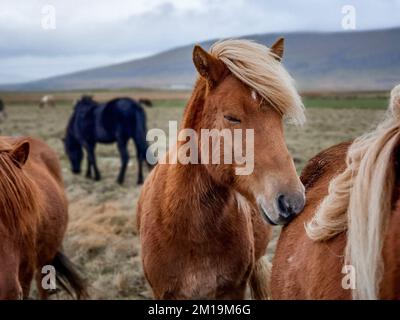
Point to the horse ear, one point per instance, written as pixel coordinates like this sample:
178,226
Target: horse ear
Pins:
277,49
20,153
208,67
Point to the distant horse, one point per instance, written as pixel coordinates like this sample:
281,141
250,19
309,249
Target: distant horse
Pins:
201,226
146,102
115,121
350,248
3,114
47,101
33,219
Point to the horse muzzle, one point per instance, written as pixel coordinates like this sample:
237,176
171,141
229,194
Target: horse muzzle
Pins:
284,209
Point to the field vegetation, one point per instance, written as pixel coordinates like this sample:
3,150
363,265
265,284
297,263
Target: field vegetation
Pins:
102,237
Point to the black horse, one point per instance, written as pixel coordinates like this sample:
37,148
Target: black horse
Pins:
115,121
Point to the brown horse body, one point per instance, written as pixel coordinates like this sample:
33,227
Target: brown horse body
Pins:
196,242
33,218
201,230
307,269
302,268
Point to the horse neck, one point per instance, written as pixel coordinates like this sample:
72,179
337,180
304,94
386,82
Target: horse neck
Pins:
71,130
194,108
71,123
196,200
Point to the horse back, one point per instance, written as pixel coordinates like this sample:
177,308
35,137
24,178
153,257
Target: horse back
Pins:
323,164
119,117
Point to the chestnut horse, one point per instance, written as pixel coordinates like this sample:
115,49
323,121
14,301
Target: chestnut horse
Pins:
33,219
201,231
350,246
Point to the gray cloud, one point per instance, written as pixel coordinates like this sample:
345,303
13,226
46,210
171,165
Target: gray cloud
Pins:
92,33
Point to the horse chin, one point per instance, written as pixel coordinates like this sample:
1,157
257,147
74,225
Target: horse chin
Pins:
267,216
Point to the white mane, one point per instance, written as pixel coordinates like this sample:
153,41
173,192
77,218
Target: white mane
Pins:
256,66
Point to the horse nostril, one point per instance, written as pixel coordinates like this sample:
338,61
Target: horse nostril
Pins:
285,209
290,206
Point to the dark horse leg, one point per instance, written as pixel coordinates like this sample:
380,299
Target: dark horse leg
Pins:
90,148
141,156
89,170
124,154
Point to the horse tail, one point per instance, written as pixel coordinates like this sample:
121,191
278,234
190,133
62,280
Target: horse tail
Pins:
362,196
68,277
260,280
139,134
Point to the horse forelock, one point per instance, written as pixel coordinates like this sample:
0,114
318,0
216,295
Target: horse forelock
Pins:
256,66
19,201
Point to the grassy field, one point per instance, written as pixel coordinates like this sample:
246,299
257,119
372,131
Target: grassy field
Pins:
101,238
329,102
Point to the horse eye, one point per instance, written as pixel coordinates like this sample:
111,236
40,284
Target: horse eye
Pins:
232,119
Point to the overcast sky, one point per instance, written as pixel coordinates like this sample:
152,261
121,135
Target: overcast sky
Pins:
90,33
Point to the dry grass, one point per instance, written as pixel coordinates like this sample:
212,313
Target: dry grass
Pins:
101,237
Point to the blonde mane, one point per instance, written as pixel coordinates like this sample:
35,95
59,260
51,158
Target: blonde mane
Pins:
256,66
360,201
